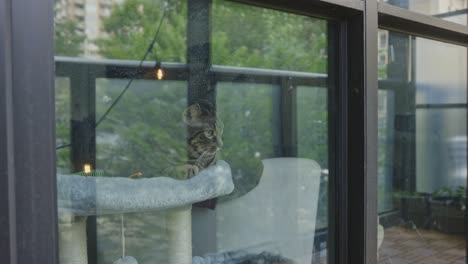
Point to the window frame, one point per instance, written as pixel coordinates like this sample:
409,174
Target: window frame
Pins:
27,157
27,154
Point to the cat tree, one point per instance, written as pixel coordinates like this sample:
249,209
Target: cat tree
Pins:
81,196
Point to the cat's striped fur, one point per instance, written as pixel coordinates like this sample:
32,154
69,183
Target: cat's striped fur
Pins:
203,140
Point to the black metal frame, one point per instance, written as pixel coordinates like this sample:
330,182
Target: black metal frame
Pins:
27,133
7,188
27,169
405,21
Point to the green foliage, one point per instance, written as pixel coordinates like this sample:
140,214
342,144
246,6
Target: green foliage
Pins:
144,132
312,124
246,111
132,26
68,40
454,196
62,122
449,192
263,38
405,194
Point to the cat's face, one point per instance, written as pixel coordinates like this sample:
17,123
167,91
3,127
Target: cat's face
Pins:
205,134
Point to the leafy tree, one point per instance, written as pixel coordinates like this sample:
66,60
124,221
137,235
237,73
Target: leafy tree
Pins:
68,40
263,38
62,122
132,26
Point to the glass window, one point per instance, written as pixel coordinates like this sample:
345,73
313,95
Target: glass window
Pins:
452,10
422,173
62,123
185,137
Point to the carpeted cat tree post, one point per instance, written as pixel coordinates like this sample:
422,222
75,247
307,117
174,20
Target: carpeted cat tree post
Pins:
180,234
80,196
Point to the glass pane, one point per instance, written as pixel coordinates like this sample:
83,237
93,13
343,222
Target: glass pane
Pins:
126,138
185,138
312,116
271,36
62,123
452,10
120,29
422,173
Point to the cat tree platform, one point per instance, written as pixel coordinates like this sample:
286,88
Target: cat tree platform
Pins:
89,195
81,196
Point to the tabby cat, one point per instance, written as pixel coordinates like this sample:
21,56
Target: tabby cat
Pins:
203,142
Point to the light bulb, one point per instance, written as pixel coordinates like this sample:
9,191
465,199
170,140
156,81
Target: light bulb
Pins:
87,168
159,74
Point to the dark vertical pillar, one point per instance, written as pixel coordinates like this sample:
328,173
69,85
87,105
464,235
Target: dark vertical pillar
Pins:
337,87
370,101
83,117
28,218
200,85
362,136
356,141
276,122
83,136
466,199
466,149
7,188
288,115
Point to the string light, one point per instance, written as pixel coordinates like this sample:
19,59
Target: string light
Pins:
159,71
87,168
159,74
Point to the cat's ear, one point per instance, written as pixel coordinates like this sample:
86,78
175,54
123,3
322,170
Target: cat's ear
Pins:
191,114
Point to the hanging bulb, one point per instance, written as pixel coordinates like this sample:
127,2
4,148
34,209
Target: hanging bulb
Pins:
159,74
159,71
87,168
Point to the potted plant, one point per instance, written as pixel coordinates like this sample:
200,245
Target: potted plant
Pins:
414,208
448,207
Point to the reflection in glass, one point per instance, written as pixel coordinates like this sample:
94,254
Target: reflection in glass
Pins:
222,163
452,10
422,173
62,123
270,38
126,139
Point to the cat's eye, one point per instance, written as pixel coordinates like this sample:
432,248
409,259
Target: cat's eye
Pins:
209,134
